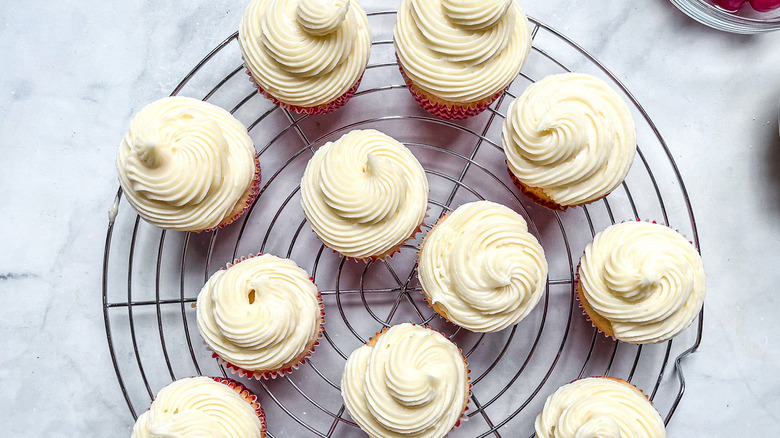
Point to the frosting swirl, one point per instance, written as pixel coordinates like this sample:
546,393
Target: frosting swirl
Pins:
408,381
305,52
185,164
199,407
570,135
261,314
644,279
364,194
461,50
599,407
481,268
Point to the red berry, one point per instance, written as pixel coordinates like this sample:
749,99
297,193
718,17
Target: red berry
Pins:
765,5
730,5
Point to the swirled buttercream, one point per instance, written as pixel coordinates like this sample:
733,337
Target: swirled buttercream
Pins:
571,136
407,382
641,282
305,52
461,51
186,164
199,407
599,407
364,194
262,314
480,268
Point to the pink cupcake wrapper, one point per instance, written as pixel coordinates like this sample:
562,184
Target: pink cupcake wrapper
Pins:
390,253
272,374
312,110
456,111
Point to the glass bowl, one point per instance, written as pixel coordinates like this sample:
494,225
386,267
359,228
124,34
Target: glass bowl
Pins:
744,21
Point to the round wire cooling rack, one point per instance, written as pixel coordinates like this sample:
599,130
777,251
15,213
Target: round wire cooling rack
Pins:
151,277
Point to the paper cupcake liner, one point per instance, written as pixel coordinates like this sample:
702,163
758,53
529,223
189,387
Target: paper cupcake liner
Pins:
389,253
544,202
464,417
249,199
449,110
310,110
285,368
247,395
597,321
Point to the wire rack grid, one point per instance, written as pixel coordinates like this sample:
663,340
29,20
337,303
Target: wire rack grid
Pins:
151,277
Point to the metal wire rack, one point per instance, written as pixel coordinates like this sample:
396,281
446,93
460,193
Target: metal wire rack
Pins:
151,277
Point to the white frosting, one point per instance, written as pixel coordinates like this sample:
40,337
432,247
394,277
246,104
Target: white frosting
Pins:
261,314
599,407
198,407
409,382
482,267
185,164
461,50
364,194
305,52
570,135
646,279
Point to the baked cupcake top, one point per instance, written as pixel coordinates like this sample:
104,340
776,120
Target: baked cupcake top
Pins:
305,52
364,194
199,406
261,314
481,268
185,164
646,280
408,381
599,407
461,50
570,135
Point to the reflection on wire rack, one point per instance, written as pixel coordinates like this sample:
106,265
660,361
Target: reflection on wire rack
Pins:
151,277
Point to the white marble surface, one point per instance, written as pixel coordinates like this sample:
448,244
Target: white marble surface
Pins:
74,72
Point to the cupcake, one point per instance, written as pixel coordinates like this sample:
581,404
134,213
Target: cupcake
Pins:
641,282
569,140
407,381
262,316
458,56
305,55
187,165
202,406
481,269
599,407
364,194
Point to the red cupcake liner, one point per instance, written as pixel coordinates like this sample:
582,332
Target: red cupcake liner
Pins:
310,110
389,253
251,197
450,110
247,395
273,374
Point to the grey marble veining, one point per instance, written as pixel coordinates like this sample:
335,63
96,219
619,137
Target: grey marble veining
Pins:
74,72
